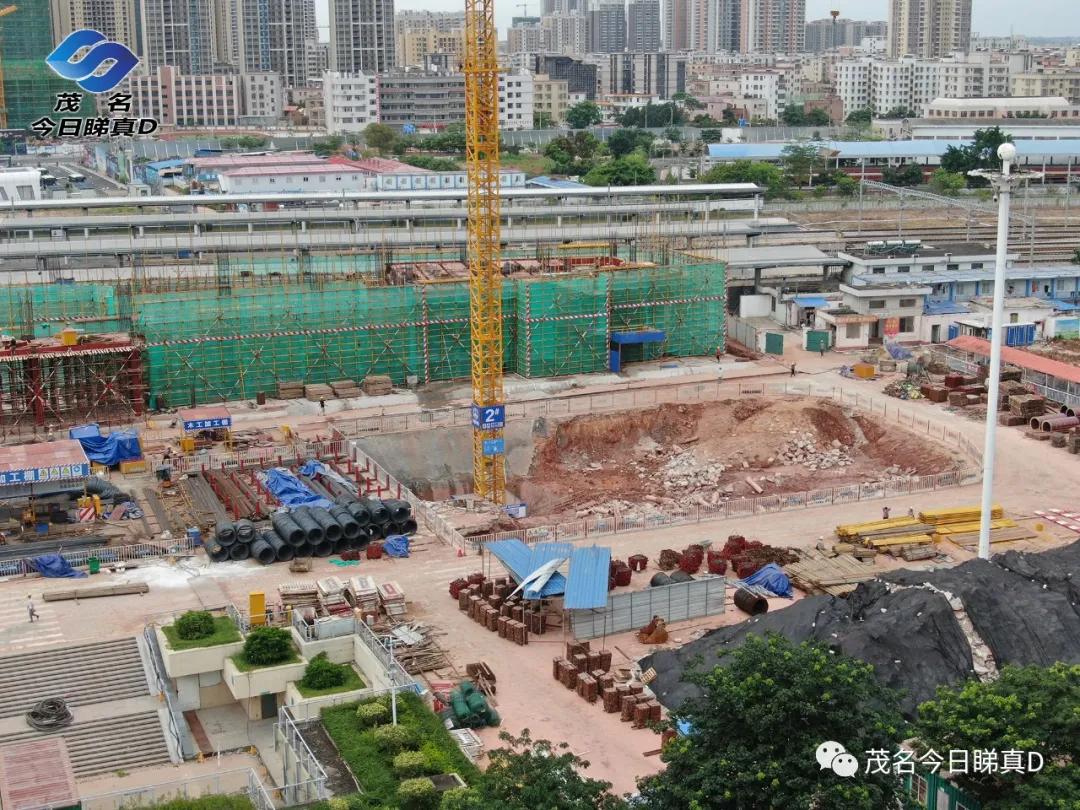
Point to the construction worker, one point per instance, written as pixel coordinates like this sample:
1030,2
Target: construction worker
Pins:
792,369
30,609
911,512
322,405
884,513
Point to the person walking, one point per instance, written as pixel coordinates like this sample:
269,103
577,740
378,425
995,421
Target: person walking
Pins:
821,349
792,369
884,513
30,609
719,353
911,512
322,405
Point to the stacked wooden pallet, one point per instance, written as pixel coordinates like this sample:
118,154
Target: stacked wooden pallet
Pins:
393,600
816,573
346,388
945,532
1027,405
299,594
290,390
316,391
1002,535
377,385
364,595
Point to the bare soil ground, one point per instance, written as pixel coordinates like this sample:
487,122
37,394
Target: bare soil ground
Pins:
1066,351
684,455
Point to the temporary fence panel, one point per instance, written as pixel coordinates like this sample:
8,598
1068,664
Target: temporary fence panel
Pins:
673,603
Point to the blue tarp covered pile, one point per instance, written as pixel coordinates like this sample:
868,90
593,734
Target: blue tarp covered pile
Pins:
896,351
312,467
120,445
396,545
290,490
53,565
771,578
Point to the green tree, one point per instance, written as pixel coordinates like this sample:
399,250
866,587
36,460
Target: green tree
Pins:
906,174
1076,257
766,175
380,137
945,182
265,646
584,114
981,153
624,141
846,185
668,114
897,113
801,161
630,170
331,145
703,121
1026,709
542,120
526,774
818,118
757,725
432,163
861,118
687,101
451,140
573,154
794,115
673,134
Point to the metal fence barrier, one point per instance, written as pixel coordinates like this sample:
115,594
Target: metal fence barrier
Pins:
240,781
676,603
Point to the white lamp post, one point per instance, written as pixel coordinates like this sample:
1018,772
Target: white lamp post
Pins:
1002,184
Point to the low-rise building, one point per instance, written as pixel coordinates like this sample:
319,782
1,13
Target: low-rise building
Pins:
350,101
1055,107
871,314
431,100
176,99
550,97
896,258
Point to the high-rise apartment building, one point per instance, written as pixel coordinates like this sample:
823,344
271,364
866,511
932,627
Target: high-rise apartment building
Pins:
567,33
30,87
580,76
116,19
430,20
824,35
929,28
361,36
659,75
549,7
422,47
607,27
714,25
643,25
676,22
526,35
772,26
267,35
179,33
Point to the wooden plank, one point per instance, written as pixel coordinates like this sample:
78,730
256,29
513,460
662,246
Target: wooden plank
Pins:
94,593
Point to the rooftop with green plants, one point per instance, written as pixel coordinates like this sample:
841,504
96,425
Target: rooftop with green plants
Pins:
212,802
323,677
197,628
266,647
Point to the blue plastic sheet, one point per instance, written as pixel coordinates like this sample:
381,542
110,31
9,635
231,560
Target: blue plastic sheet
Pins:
772,578
290,490
896,351
120,445
396,545
53,565
313,467
84,431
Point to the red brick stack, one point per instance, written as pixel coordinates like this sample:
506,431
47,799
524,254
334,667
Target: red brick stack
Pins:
488,602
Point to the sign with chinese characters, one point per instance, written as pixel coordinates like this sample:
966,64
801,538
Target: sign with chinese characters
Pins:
494,447
39,475
208,424
93,127
832,755
488,417
892,326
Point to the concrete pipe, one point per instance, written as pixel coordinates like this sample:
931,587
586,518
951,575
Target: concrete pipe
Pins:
283,551
359,512
305,521
1035,422
226,533
217,552
750,603
379,513
287,529
303,550
659,580
324,548
263,551
406,527
1052,424
349,527
239,551
331,528
399,510
245,531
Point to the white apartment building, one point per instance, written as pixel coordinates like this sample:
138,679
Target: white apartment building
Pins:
567,34
350,101
775,87
205,100
998,108
516,100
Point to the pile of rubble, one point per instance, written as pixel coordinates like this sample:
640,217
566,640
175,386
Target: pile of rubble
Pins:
803,449
682,472
652,506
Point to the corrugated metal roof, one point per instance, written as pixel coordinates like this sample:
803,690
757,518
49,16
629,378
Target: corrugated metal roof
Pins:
1018,357
550,182
815,301
521,560
854,150
945,308
587,583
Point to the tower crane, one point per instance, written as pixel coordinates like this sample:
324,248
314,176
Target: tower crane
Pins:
485,268
3,96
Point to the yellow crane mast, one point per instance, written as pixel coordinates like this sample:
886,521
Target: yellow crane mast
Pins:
3,96
485,271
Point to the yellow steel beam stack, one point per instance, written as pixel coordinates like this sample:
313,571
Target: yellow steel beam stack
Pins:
485,281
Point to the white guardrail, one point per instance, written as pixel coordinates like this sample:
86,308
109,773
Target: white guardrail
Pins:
645,397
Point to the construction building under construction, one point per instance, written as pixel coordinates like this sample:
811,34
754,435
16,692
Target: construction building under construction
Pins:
104,351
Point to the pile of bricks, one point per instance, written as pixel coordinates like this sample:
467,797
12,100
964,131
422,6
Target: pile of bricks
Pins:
588,672
488,602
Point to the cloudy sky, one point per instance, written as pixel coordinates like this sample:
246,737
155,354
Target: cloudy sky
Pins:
992,17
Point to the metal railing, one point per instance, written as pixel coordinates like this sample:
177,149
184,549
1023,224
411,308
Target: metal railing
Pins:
184,748
689,392
80,558
383,653
231,782
304,779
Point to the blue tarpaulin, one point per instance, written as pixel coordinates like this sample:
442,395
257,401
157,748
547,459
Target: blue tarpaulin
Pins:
84,431
120,445
53,565
396,545
772,578
312,467
896,351
290,490
810,301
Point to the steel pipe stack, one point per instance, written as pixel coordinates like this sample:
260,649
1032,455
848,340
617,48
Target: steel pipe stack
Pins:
331,528
262,551
239,551
324,548
304,549
358,511
225,533
217,552
349,526
283,551
379,513
305,521
399,510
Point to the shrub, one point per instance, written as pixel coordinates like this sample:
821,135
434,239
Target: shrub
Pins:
458,798
418,794
195,624
338,803
322,673
410,763
372,714
395,739
268,645
437,759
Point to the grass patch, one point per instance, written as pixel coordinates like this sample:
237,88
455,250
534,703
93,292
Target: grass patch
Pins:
225,632
354,681
530,164
243,665
374,768
216,802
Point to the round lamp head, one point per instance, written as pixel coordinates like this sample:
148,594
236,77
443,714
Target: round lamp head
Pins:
1007,152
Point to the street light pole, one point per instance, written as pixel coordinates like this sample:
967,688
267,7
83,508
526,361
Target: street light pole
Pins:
1003,184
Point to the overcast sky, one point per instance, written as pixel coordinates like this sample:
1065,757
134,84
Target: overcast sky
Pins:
1032,17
